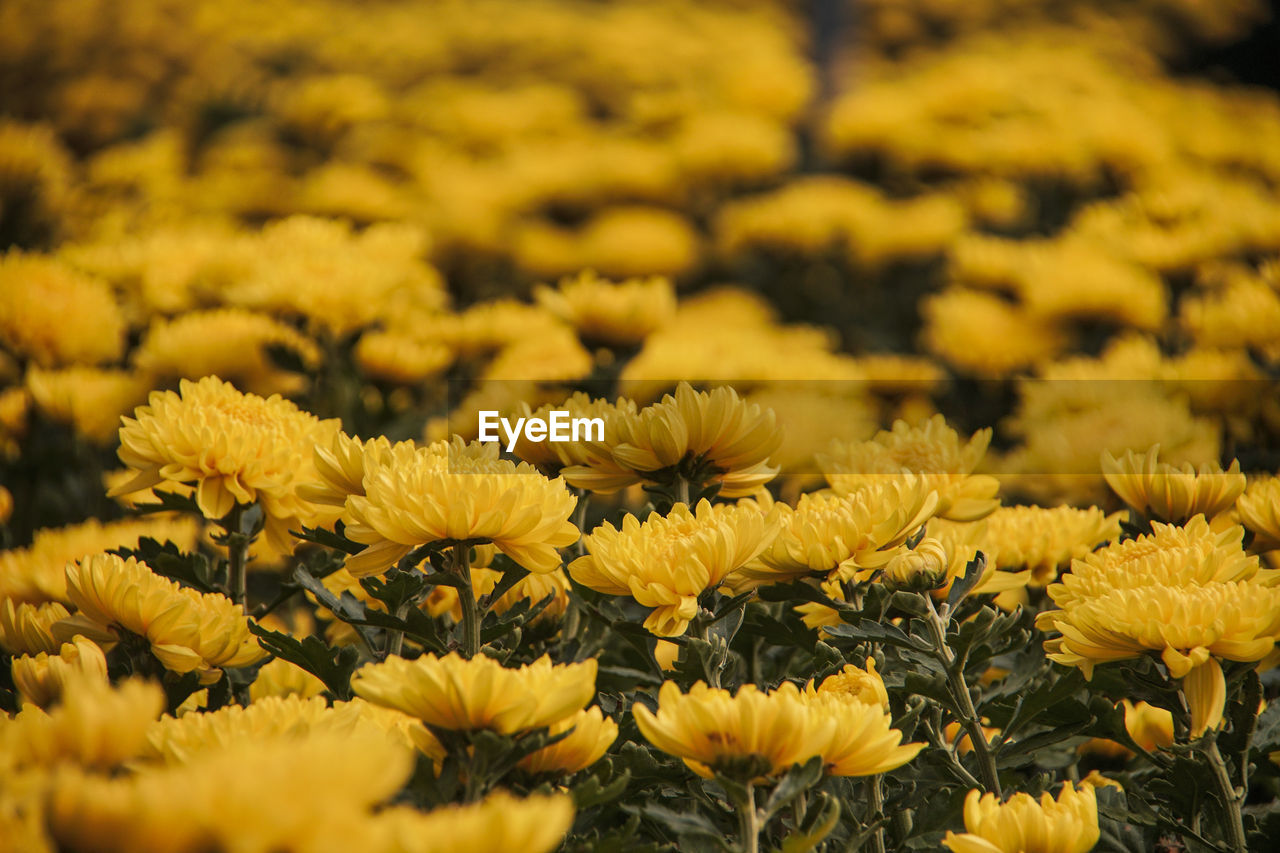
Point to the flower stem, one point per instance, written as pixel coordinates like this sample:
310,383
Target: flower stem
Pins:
876,809
749,821
960,692
467,598
682,490
1228,793
237,557
395,636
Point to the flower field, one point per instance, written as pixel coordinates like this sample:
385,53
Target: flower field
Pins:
927,359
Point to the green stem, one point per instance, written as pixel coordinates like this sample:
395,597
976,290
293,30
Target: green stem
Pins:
467,598
749,821
237,558
395,636
1230,796
960,692
682,490
580,520
876,809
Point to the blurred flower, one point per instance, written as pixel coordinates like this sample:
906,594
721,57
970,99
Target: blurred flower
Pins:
956,735
458,492
188,631
1172,493
27,629
453,693
1259,510
667,562
717,429
399,357
1149,726
932,450
89,399
237,448
984,335
41,678
590,735
1068,824
535,824
56,316
279,677
620,314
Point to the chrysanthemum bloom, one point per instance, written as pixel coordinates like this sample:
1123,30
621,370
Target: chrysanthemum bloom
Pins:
279,677
500,821
402,358
176,740
862,741
621,314
89,399
842,536
1068,824
865,685
456,491
236,448
667,562
1259,510
188,631
954,733
56,316
1150,727
37,573
550,456
454,693
716,429
27,629
40,678
1045,539
713,729
590,735
96,725
932,450
226,342
1169,492
924,567
1186,593
241,797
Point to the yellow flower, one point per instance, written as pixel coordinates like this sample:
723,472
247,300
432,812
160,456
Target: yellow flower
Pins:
6,505
458,492
550,456
96,725
499,822
1068,824
56,316
924,567
278,677
41,678
242,797
453,693
1045,540
37,573
1168,492
862,742
932,450
1259,510
1149,726
226,342
865,685
188,631
590,734
713,729
716,429
667,562
90,399
955,734
27,629
400,357
236,448
842,536
621,314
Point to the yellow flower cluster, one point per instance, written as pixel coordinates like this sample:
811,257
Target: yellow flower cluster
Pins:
1067,824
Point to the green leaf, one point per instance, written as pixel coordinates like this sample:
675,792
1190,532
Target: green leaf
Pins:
961,587
821,818
164,558
591,792
334,667
797,780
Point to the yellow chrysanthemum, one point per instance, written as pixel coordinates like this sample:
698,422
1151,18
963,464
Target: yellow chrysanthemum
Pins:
41,678
467,695
842,536
550,456
1045,540
400,357
27,629
926,566
499,822
242,797
862,742
236,448
188,631
1169,492
56,316
1068,824
227,342
621,314
89,399
1149,726
667,562
38,574
933,450
716,429
278,677
1259,510
865,685
457,492
590,735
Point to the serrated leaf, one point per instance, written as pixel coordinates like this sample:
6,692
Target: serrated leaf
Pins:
334,667
797,780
